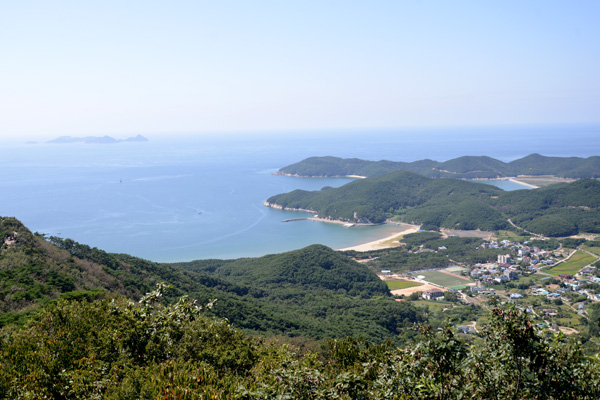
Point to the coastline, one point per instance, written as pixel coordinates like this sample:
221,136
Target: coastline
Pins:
321,176
508,178
278,207
516,180
319,219
384,243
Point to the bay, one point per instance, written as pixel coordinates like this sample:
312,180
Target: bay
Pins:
178,198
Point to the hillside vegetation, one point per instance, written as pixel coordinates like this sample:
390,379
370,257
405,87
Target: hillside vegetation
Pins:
313,292
558,210
117,349
467,167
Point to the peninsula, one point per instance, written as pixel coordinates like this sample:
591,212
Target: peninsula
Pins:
467,167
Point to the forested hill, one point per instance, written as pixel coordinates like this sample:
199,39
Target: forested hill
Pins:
314,268
467,167
313,292
559,210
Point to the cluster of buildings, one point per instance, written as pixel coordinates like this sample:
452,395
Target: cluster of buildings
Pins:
503,271
526,262
525,255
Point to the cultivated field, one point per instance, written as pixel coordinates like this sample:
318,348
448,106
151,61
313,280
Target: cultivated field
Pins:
573,264
444,278
595,250
395,285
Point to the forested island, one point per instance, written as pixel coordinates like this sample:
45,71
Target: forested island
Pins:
556,210
466,167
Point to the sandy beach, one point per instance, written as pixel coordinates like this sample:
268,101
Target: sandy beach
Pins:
386,242
515,180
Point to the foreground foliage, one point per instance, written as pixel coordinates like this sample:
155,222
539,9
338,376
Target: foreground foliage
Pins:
117,349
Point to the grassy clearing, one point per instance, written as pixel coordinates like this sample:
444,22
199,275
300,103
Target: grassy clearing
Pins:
573,264
395,285
512,236
434,305
539,278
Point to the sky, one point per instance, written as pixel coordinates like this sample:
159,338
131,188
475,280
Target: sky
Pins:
123,68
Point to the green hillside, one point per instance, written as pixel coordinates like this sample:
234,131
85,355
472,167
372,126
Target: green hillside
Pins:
314,268
467,167
314,292
559,210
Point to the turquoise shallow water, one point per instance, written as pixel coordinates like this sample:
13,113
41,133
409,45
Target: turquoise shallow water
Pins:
175,200
504,184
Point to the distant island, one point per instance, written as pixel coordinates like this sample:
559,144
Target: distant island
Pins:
96,139
467,167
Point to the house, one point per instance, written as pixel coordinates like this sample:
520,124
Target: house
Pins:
572,285
433,294
475,274
504,259
467,329
516,296
512,275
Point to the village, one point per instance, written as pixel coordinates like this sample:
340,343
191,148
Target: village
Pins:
555,286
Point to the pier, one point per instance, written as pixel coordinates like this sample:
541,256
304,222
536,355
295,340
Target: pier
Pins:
295,219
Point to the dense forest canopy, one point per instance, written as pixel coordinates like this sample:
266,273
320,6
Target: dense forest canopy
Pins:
466,167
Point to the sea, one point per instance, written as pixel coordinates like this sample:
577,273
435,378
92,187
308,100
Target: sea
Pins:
186,197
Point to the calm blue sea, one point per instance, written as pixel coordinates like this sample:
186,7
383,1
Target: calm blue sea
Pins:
176,199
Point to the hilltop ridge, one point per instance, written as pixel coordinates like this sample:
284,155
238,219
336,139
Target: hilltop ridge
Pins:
466,167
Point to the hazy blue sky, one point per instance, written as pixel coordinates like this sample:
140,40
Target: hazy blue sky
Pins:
128,67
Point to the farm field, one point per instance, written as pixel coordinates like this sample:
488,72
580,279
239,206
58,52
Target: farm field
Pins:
573,264
395,285
443,279
595,250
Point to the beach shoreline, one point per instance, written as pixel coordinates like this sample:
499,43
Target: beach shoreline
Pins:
383,243
516,180
322,176
386,242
